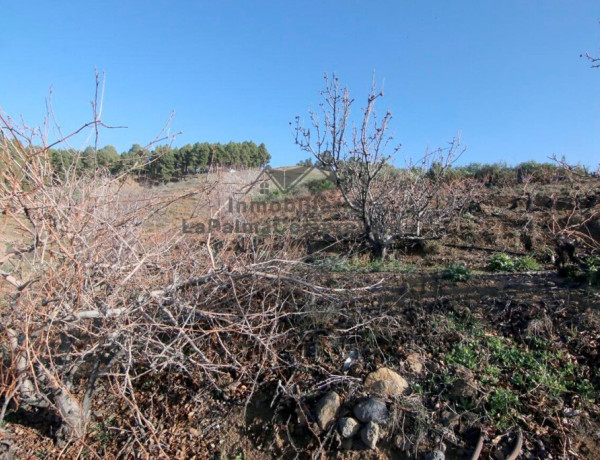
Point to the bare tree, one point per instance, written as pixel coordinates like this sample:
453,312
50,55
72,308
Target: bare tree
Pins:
392,204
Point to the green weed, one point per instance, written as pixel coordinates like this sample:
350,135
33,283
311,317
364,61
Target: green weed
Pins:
357,264
501,263
588,272
502,404
504,263
457,272
506,370
465,354
526,264
318,185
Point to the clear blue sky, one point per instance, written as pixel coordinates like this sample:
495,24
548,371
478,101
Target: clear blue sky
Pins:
505,74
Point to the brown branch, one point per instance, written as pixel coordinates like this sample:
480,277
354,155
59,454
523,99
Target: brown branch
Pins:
517,449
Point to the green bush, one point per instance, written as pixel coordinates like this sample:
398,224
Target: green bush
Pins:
457,272
588,272
526,264
319,185
501,263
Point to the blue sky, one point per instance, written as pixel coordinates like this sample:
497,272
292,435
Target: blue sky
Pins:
505,74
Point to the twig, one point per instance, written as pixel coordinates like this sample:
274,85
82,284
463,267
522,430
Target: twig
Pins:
517,449
478,447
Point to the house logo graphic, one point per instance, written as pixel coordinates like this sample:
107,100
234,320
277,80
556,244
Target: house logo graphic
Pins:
287,178
271,214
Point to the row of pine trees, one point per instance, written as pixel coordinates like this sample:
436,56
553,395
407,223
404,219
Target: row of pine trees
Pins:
164,163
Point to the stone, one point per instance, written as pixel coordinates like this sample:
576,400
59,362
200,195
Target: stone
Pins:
449,419
436,455
415,363
326,409
7,452
348,427
398,441
386,382
371,410
347,443
370,435
464,387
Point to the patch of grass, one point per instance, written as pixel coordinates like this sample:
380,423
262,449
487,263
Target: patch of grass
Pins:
594,276
506,371
466,355
528,369
592,268
361,265
504,263
397,266
503,405
463,323
41,453
103,434
238,456
456,272
491,375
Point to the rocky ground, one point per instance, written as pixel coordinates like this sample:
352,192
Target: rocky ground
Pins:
425,369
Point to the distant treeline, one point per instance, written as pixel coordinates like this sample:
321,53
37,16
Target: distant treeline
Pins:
503,174
500,173
163,163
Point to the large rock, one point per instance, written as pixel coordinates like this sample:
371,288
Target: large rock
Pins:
385,382
371,410
326,409
370,435
348,427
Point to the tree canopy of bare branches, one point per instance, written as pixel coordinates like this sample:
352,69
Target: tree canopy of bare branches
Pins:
391,203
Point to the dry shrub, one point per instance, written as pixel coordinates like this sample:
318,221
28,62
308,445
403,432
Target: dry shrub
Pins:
100,287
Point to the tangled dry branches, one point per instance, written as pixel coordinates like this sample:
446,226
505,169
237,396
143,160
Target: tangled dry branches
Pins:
96,291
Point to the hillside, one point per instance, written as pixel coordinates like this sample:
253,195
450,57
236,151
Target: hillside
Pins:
223,344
